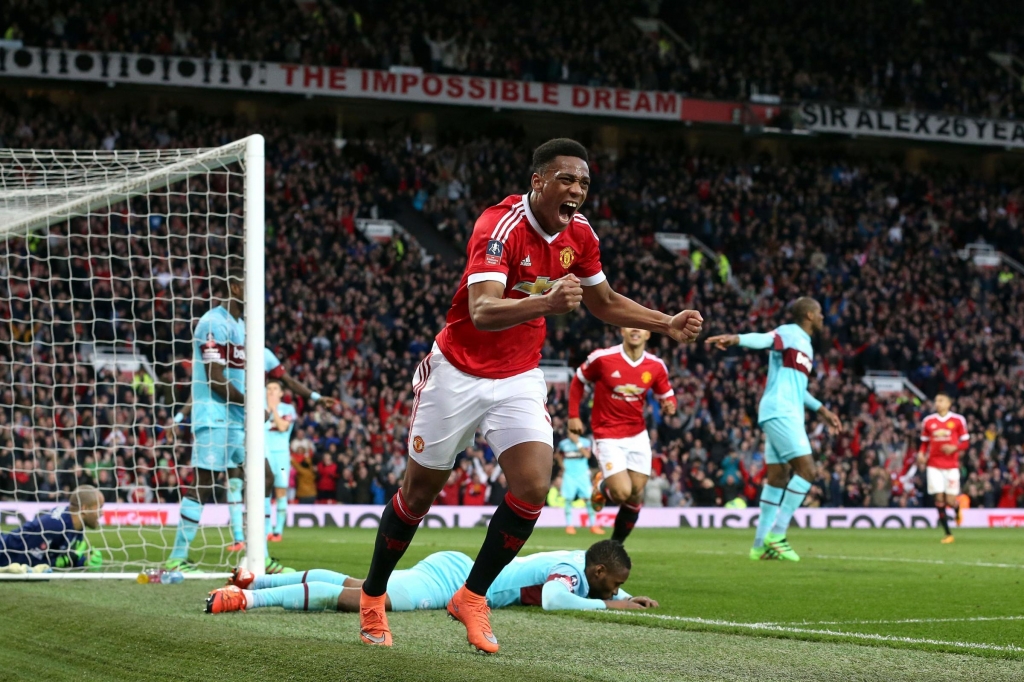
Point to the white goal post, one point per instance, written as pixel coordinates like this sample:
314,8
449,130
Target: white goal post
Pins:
105,266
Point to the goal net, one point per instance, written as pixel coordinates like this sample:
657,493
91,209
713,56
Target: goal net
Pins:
107,261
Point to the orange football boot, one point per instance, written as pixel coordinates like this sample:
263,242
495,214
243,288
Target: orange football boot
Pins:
241,577
472,611
225,600
373,620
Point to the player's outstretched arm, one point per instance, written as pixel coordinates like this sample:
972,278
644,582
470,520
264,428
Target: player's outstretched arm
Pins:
305,392
617,310
555,596
491,312
755,341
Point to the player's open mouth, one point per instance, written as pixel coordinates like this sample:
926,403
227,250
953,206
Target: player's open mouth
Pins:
566,211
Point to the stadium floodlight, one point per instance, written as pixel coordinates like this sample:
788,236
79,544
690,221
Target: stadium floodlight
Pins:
107,260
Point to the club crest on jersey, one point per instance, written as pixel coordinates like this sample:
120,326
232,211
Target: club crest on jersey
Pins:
536,288
566,257
646,377
949,424
417,444
494,251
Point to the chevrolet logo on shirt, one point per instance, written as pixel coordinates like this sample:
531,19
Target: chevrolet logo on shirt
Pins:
629,390
537,288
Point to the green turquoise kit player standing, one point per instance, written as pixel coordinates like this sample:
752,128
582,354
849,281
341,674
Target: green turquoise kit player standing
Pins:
781,416
575,452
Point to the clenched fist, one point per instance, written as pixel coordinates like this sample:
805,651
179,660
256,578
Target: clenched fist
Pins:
686,326
565,296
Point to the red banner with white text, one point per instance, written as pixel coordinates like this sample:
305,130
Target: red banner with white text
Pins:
407,85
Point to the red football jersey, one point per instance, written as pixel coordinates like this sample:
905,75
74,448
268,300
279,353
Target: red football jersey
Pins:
937,432
509,246
620,387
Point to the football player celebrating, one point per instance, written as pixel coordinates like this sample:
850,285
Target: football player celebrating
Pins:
621,377
943,437
531,256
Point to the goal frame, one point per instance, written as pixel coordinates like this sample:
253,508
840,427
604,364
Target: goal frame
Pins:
251,151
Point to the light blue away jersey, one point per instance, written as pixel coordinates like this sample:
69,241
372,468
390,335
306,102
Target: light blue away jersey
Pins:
271,363
575,461
789,365
277,442
219,338
522,581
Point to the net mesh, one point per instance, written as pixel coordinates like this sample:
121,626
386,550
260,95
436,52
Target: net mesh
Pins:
107,259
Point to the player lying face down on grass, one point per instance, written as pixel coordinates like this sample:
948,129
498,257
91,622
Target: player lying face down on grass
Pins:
530,256
565,580
55,539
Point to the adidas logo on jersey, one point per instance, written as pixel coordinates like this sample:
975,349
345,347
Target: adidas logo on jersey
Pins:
616,375
525,262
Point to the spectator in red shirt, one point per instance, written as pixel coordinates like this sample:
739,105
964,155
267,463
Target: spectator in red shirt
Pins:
326,480
450,492
474,493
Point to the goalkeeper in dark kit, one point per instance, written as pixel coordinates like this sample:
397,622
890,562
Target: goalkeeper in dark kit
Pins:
55,539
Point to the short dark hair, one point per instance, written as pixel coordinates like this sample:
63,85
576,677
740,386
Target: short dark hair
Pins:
609,553
275,380
560,146
943,393
799,308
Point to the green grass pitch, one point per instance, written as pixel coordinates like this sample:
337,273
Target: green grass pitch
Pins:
862,605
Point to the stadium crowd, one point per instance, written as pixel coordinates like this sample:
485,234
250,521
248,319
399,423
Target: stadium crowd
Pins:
925,55
352,318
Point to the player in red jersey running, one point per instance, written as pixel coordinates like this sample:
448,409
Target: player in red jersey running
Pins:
530,256
943,437
621,377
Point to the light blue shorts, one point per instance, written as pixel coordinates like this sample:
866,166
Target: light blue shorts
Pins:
785,439
218,448
280,464
430,584
576,485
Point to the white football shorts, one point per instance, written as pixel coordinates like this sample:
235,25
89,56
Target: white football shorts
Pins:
619,454
450,406
943,481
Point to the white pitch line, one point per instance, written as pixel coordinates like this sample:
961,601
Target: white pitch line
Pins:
769,627
939,562
972,619
901,560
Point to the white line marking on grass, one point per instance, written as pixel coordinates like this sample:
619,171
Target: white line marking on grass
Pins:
901,560
771,627
902,621
939,562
